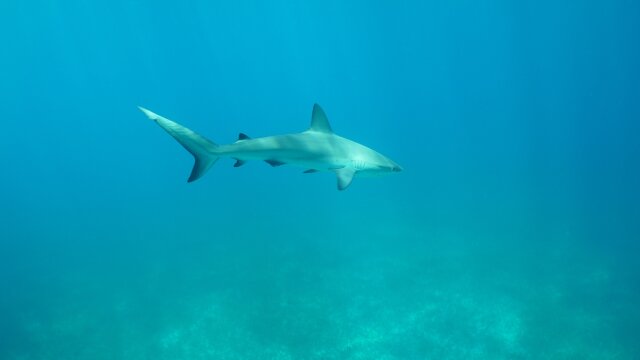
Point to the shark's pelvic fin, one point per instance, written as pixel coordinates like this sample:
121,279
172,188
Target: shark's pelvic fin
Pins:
274,163
239,163
319,121
345,177
202,149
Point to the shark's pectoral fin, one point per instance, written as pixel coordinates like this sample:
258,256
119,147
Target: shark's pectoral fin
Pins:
239,163
345,177
274,163
310,171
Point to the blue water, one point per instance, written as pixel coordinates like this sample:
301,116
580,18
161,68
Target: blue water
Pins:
512,232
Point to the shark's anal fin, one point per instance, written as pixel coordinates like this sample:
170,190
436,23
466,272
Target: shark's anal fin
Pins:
319,121
274,163
345,177
239,163
243,136
310,171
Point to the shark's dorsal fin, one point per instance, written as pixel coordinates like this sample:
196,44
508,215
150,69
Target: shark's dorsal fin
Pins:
345,177
319,121
243,136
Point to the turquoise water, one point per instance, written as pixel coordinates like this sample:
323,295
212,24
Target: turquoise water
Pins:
512,232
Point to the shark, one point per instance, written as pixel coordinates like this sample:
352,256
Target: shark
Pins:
316,149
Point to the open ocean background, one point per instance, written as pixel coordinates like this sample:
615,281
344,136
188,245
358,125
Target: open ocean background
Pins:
513,232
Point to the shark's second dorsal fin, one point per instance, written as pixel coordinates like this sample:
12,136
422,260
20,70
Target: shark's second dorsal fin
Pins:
319,121
243,136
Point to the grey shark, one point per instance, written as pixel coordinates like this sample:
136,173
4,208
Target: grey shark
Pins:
316,149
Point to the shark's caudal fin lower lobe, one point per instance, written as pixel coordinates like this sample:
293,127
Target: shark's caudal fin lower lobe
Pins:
202,149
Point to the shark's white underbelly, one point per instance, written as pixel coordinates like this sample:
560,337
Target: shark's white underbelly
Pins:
297,150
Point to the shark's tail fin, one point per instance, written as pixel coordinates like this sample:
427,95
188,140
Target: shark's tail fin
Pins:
203,150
